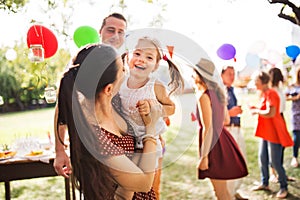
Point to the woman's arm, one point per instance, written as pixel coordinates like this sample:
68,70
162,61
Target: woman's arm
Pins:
205,114
206,121
268,113
293,98
133,177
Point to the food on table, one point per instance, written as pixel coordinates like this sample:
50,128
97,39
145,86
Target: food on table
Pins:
35,153
7,154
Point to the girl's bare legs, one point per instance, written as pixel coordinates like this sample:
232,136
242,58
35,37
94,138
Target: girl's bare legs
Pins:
220,189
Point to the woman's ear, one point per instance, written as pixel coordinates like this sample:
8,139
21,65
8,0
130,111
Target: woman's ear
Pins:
108,90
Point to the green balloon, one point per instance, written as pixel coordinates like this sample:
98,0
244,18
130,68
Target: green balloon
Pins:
85,35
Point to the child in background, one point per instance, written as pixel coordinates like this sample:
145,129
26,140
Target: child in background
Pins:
293,94
140,87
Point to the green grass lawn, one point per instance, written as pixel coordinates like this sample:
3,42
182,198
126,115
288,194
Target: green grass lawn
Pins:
179,179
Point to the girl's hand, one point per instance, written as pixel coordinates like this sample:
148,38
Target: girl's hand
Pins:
144,110
154,111
203,163
143,106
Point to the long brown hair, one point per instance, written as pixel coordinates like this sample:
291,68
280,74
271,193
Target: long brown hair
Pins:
90,176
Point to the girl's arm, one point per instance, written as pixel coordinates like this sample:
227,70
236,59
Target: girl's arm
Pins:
164,99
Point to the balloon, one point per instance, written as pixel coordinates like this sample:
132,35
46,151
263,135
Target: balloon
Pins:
10,54
274,57
292,51
252,60
38,34
226,51
85,35
257,47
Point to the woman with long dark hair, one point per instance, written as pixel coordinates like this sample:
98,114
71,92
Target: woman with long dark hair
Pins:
100,148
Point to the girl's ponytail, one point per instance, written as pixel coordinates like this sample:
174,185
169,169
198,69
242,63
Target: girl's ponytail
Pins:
176,83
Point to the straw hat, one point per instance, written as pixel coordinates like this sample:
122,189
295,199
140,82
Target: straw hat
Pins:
206,68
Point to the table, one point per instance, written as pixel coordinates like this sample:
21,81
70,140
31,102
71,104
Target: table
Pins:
27,169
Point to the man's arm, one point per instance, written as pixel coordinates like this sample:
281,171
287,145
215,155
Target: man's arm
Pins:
62,164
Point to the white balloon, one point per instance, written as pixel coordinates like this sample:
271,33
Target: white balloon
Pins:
1,100
274,57
11,54
257,47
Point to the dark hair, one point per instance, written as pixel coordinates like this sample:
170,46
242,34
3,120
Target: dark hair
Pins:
89,175
298,76
275,76
115,15
264,77
211,85
224,68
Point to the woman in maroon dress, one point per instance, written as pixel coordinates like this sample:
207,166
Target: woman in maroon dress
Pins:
100,148
220,156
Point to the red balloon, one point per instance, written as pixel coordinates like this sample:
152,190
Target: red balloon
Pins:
38,34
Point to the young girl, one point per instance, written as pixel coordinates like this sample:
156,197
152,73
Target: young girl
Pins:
140,86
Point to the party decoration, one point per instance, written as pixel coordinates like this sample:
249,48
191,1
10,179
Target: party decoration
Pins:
50,94
170,50
252,60
1,101
274,57
85,35
36,53
10,54
40,35
292,51
193,117
167,121
257,47
226,51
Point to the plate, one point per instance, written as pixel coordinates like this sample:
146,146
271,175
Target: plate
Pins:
28,156
33,156
6,158
7,155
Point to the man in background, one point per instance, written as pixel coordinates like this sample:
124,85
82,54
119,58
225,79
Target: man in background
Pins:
234,127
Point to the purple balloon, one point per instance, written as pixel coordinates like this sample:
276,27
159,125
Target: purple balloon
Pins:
226,51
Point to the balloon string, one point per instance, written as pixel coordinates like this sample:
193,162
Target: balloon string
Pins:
37,34
42,36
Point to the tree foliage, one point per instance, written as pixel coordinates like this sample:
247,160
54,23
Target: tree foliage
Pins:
294,17
12,5
23,82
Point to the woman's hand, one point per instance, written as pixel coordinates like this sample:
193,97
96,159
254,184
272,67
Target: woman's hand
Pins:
203,163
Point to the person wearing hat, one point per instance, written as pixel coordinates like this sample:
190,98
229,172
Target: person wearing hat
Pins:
220,157
234,126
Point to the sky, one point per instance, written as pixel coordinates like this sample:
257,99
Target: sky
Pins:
210,23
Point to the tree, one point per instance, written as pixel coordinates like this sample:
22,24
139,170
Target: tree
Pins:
295,17
12,5
23,82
